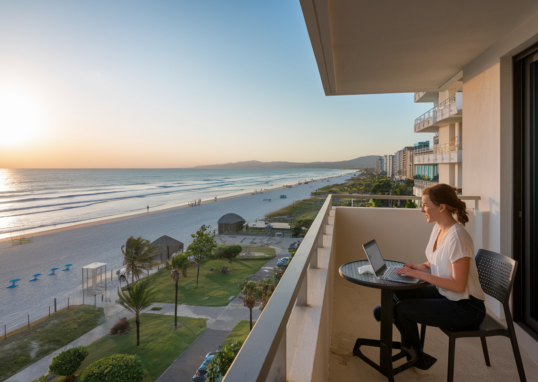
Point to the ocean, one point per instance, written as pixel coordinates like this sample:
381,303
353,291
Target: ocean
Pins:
37,200
43,198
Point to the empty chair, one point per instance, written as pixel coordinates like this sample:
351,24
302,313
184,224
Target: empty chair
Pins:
36,277
13,283
52,271
496,273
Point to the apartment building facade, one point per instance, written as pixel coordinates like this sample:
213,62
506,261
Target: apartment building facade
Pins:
490,55
445,118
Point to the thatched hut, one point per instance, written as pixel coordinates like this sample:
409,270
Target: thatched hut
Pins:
230,223
165,247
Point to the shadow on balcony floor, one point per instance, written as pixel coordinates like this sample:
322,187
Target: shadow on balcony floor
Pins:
470,365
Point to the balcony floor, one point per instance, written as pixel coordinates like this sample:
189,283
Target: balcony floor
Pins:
469,364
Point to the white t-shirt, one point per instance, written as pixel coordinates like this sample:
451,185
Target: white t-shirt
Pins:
456,245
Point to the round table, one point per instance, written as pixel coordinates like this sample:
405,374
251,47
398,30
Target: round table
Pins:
350,272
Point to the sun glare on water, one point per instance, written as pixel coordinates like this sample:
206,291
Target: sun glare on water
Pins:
20,120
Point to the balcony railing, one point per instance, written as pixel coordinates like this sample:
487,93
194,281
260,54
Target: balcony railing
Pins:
424,183
291,340
451,107
449,152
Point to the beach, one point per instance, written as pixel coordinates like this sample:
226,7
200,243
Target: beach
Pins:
101,241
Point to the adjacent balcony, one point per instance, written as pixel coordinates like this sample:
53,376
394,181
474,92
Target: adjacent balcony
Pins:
447,112
426,97
450,152
308,329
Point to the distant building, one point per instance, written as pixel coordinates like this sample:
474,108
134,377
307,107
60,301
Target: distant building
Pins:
165,247
379,165
407,162
391,166
230,223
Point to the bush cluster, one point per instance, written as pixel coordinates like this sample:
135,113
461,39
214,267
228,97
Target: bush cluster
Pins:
222,361
68,361
228,252
224,269
120,327
116,368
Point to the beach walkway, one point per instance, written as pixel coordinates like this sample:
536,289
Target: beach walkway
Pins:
220,321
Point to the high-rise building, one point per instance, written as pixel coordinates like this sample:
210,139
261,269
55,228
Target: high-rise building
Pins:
407,162
442,162
391,166
379,167
398,158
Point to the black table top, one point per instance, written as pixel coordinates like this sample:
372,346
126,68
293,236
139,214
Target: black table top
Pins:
350,272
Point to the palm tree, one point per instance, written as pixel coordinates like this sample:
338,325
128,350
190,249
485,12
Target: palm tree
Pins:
137,256
136,298
178,261
249,291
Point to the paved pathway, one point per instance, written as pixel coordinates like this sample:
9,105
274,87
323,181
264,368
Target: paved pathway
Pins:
220,321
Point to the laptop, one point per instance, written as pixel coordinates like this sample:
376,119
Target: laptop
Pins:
381,270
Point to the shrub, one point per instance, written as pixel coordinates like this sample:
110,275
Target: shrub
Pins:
222,361
43,378
68,361
228,252
120,327
225,269
157,308
118,367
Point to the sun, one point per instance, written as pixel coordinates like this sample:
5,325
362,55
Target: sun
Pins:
20,120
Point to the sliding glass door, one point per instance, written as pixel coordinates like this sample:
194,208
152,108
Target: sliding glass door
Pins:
526,230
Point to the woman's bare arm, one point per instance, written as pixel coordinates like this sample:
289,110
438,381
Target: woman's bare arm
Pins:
457,283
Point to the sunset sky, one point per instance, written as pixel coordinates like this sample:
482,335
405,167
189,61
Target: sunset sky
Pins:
177,84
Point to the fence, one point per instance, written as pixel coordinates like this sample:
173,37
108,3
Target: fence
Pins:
106,293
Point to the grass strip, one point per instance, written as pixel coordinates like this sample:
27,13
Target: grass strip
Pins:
27,347
240,332
160,343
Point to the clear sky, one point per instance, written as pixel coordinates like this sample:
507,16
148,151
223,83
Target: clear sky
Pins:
177,84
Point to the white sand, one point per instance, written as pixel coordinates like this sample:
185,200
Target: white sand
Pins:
102,242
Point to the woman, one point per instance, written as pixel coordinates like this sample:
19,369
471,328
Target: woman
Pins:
455,298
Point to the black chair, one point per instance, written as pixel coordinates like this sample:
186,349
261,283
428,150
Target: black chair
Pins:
496,273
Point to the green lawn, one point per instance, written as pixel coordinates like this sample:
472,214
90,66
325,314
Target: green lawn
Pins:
302,209
29,346
240,332
160,343
214,288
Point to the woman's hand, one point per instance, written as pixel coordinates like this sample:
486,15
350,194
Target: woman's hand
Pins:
409,271
418,267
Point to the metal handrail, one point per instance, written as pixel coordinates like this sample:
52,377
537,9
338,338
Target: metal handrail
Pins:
258,354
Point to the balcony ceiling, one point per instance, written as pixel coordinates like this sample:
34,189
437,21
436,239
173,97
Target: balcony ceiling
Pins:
369,47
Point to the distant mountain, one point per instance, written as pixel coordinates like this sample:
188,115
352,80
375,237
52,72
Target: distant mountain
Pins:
361,162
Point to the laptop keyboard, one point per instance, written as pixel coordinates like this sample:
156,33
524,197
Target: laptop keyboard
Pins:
390,273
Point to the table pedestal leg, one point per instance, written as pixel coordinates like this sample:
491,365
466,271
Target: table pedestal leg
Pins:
387,315
385,345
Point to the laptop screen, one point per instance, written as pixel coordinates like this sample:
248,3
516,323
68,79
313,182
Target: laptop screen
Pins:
374,255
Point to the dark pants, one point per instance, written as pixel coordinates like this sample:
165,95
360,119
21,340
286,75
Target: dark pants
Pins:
428,306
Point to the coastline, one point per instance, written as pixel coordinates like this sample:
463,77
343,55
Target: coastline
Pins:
100,241
124,216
